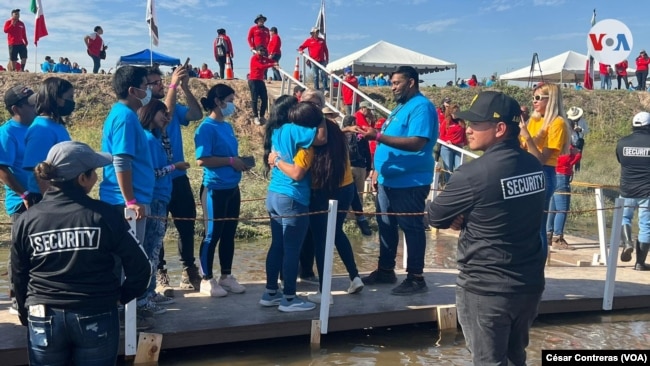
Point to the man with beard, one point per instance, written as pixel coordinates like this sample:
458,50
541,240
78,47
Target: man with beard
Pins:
404,173
182,205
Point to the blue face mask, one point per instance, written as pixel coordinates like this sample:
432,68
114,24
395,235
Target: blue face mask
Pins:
229,110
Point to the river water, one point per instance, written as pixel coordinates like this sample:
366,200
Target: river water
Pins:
416,344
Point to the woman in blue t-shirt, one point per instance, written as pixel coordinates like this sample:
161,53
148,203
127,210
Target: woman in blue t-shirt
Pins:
54,100
154,118
217,153
288,196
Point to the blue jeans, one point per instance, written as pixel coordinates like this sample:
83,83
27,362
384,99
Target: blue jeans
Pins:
496,327
559,202
401,200
605,81
318,223
287,235
323,75
549,177
451,159
154,233
644,216
80,337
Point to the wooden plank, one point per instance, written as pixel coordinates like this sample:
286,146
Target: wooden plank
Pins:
446,317
149,345
315,332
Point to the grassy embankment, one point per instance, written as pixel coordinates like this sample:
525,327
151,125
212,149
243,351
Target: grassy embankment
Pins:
608,113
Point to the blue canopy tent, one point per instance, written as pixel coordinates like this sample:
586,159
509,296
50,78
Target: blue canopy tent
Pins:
146,57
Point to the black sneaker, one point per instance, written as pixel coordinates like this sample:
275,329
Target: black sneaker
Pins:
190,279
380,276
364,226
410,286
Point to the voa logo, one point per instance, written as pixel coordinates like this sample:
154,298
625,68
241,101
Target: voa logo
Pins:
610,41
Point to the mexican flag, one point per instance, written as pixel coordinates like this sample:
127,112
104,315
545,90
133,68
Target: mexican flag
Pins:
40,30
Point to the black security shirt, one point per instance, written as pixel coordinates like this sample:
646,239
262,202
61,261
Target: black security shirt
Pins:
501,196
62,254
633,152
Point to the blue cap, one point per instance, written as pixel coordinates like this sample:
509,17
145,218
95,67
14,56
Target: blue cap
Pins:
347,70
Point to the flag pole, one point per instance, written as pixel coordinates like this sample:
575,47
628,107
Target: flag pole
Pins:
150,50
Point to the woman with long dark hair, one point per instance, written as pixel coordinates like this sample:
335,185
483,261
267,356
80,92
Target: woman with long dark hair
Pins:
154,118
217,152
54,101
288,196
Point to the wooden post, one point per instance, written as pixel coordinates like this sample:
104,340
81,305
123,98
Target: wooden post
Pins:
446,315
148,348
315,331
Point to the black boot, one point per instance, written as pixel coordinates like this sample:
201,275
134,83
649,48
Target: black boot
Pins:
641,254
626,243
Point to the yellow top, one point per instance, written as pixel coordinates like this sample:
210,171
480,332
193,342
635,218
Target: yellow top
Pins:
304,158
553,138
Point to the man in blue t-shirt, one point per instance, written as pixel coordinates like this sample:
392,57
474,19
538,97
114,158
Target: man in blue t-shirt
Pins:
129,181
19,102
403,176
182,203
48,65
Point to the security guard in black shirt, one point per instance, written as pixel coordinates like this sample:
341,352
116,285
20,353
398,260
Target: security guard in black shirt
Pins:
497,202
633,153
62,258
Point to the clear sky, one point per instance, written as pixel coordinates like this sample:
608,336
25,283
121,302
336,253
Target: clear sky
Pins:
481,36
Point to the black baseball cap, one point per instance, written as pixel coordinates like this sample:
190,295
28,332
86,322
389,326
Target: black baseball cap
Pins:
14,95
297,89
492,106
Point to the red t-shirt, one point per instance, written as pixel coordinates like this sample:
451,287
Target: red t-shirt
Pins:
347,92
16,34
373,144
275,44
205,74
566,162
259,63
95,45
362,121
602,68
621,68
317,48
642,63
472,83
452,132
258,36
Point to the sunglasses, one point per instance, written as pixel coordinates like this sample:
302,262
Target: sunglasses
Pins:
156,83
537,98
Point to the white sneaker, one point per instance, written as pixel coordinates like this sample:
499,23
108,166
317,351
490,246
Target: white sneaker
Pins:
257,121
211,288
230,284
315,298
356,285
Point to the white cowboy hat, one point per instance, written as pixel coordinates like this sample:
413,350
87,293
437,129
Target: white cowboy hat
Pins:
574,113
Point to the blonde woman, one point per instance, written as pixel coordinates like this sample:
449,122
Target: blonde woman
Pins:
547,136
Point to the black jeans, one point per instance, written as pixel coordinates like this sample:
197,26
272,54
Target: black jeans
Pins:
640,79
222,66
96,64
182,205
219,204
496,327
258,91
624,78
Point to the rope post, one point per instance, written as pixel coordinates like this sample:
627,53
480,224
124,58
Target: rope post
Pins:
130,331
600,215
326,292
615,237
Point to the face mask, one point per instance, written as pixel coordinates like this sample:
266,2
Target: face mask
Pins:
229,110
147,97
67,108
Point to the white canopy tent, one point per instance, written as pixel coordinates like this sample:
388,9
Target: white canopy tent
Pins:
565,67
384,57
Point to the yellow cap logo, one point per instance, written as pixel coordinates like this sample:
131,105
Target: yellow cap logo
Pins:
496,115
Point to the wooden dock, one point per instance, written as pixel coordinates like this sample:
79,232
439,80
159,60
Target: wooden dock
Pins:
196,320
